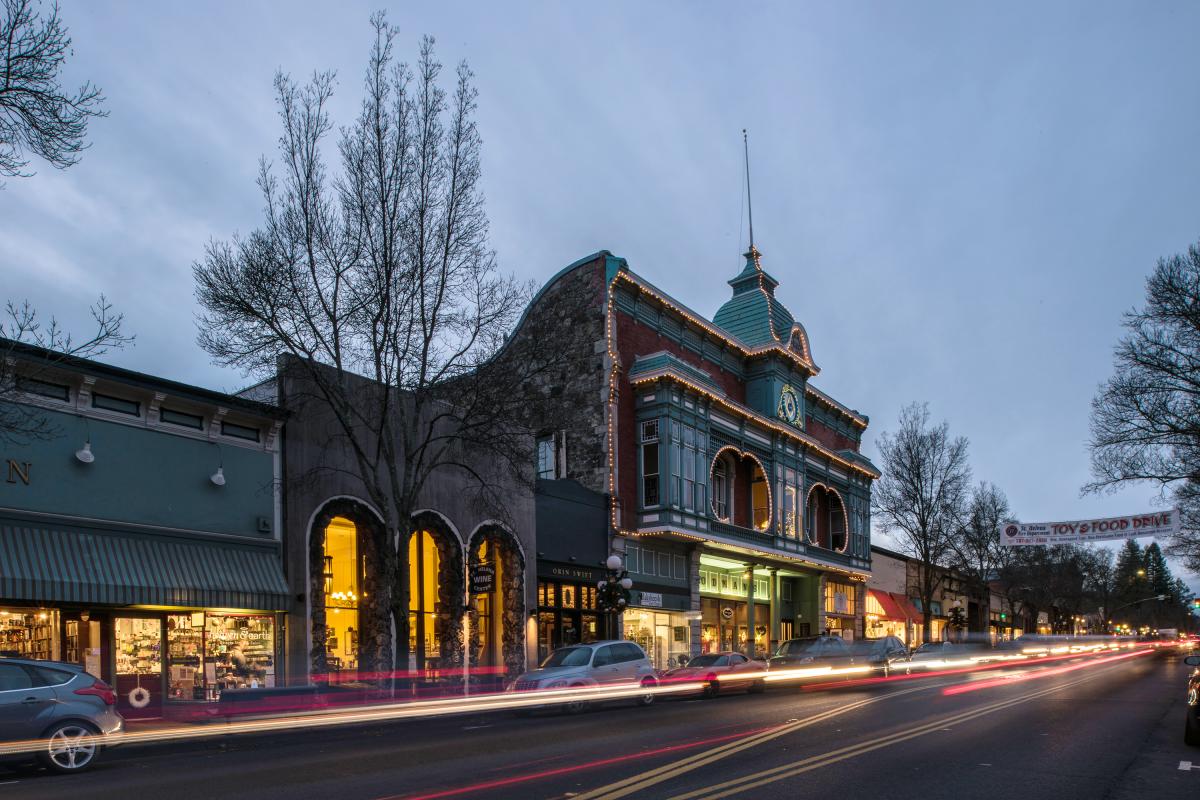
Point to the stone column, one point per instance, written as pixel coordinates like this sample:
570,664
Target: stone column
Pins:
750,613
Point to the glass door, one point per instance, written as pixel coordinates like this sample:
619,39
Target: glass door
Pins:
139,666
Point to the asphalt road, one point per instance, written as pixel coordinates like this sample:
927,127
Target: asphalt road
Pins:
1105,731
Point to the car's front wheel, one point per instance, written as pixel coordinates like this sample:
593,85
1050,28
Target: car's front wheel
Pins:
70,747
648,698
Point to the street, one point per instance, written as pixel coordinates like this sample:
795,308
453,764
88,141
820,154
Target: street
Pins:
1100,729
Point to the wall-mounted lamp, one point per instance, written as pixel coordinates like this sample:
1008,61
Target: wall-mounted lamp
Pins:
84,616
84,454
218,477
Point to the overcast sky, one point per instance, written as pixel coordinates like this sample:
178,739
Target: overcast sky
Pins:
958,199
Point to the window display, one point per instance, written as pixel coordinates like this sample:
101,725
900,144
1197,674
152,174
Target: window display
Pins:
185,656
29,633
239,652
341,594
665,636
139,646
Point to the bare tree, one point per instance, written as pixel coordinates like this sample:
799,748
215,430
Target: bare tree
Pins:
922,494
37,115
29,351
378,285
1146,417
976,545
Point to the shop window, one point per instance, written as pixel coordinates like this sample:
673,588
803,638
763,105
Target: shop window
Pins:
239,652
839,598
486,625
679,570
341,572
424,591
789,511
632,562
138,646
29,633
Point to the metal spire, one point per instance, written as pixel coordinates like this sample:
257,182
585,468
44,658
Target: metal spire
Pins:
749,205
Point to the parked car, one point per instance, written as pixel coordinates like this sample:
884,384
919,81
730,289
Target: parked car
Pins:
719,672
592,664
883,655
930,652
1191,730
811,651
60,703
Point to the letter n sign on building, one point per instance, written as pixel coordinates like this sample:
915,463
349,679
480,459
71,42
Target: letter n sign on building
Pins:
483,578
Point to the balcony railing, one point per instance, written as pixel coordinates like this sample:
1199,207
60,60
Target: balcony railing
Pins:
783,544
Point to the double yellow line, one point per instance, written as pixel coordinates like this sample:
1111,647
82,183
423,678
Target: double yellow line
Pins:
646,780
655,776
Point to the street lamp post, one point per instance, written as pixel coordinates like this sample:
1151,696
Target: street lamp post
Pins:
612,596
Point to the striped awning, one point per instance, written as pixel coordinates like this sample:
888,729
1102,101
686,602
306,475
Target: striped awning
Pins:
82,565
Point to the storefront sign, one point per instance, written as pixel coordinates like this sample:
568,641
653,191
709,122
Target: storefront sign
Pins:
574,573
652,599
1157,524
483,578
727,612
18,471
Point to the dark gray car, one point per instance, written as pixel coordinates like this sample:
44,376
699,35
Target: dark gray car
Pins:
66,711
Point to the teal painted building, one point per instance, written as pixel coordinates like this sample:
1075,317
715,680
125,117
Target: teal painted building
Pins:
139,532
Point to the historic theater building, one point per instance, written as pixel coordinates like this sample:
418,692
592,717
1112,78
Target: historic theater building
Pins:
139,533
738,494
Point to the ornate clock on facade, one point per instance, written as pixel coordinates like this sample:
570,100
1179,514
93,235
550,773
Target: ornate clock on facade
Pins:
789,405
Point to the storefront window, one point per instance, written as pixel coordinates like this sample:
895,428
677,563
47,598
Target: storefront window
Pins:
839,598
29,633
487,630
185,655
139,646
665,636
424,588
239,652
341,573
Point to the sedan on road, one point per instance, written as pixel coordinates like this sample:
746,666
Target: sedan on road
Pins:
592,664
719,671
71,711
883,655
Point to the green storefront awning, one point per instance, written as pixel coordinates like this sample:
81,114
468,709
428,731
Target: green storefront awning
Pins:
46,564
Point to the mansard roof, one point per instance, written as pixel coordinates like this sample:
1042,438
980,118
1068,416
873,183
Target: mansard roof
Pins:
755,317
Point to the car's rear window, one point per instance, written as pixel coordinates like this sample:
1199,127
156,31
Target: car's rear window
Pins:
53,677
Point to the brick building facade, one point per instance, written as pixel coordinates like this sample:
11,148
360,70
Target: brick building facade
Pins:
737,493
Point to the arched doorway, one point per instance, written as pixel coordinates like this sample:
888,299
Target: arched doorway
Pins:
350,630
435,594
498,618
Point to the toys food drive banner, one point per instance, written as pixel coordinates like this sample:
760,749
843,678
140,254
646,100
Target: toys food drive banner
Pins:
1159,523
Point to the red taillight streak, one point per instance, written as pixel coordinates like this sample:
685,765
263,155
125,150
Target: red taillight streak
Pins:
100,689
587,765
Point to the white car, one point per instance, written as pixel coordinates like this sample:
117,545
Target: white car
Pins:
592,664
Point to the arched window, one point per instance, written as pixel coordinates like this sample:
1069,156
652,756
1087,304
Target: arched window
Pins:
720,489
342,573
424,591
760,498
837,523
489,610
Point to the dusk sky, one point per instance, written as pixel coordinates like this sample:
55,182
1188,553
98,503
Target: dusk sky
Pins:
958,199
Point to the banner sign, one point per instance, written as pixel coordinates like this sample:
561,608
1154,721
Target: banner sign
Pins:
1158,523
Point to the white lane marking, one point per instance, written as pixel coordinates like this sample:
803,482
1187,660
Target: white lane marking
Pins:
1187,765
10,783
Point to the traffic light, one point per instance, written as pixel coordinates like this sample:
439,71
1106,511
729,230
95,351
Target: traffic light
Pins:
1004,615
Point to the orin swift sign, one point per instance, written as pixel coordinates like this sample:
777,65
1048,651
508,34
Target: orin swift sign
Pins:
1161,523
